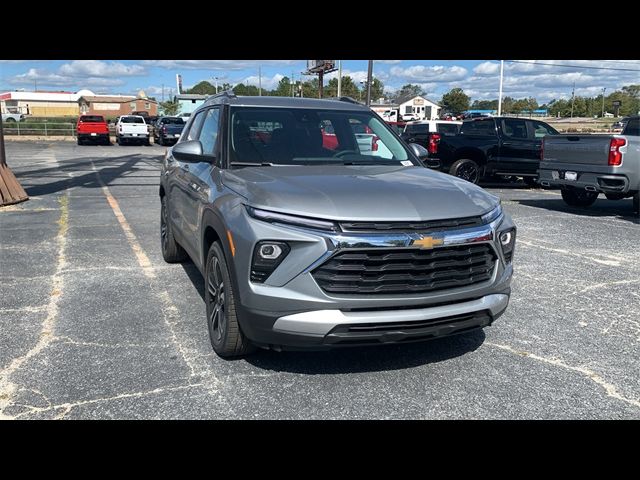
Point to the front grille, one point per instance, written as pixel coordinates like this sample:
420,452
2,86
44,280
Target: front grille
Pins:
393,271
434,225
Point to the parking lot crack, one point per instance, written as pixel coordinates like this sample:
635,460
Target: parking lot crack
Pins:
7,387
610,389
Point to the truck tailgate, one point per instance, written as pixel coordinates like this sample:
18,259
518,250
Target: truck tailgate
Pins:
577,149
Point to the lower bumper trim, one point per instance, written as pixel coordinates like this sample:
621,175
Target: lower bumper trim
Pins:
322,322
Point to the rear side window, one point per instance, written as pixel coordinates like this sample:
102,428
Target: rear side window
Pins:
447,129
481,128
416,129
92,119
514,128
633,127
540,130
172,121
194,129
209,133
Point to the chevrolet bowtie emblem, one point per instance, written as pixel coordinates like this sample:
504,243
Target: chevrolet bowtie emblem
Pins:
428,242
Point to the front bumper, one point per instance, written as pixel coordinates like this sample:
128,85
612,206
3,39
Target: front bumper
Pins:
290,309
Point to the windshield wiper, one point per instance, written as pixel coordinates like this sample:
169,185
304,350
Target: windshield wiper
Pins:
252,164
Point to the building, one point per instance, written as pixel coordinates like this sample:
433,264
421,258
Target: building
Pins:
423,107
117,105
41,104
189,102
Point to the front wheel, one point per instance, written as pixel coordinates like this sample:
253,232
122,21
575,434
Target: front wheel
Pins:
226,336
466,169
575,197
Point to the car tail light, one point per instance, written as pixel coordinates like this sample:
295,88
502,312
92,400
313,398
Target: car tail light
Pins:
374,144
615,155
432,146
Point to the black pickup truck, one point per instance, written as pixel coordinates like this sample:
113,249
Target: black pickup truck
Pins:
500,146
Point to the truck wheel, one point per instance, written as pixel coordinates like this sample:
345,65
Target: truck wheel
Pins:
466,169
10,120
226,336
575,197
160,141
79,141
531,181
636,204
172,252
118,141
615,196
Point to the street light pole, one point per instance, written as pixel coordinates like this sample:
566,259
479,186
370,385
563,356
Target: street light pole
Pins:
500,91
604,89
260,80
369,79
339,78
216,80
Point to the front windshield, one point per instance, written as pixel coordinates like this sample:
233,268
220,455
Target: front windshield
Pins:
295,136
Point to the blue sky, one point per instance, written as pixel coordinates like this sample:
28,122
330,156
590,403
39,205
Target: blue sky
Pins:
543,79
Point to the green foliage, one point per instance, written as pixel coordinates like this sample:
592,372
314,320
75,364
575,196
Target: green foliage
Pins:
348,87
455,101
245,90
170,107
202,88
408,89
377,90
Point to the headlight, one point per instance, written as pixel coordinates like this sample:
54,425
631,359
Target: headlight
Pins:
507,239
492,215
266,257
285,219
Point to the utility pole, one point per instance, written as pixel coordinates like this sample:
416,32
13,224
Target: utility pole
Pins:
293,85
260,80
500,90
320,83
603,90
216,80
369,78
163,93
573,97
339,78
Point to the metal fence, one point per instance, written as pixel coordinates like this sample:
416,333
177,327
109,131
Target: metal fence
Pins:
45,129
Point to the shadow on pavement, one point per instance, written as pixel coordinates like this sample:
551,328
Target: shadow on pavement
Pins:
195,276
368,359
620,209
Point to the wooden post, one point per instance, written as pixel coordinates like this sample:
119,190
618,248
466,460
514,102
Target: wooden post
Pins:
10,190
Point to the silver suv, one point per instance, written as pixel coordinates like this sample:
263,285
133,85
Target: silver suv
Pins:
306,239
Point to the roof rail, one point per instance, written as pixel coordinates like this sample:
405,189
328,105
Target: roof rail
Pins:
226,93
348,99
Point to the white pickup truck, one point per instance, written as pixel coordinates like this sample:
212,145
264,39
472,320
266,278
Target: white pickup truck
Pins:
132,128
12,117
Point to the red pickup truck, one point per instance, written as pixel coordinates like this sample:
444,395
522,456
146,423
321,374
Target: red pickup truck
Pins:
92,128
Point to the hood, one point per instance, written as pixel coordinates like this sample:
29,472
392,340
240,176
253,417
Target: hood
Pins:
365,193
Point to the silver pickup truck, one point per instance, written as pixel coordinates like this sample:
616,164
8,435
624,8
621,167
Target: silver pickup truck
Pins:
584,166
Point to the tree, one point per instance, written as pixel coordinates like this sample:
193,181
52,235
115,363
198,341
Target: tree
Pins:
170,107
455,101
245,90
485,105
348,87
409,90
202,88
377,90
283,89
10,190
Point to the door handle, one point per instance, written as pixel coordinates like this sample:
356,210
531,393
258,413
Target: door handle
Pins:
507,143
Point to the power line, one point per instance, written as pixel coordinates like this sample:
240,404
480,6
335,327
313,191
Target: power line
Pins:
535,62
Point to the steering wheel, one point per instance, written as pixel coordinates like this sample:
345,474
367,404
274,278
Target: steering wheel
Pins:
345,152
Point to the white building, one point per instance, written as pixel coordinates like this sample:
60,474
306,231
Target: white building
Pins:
423,107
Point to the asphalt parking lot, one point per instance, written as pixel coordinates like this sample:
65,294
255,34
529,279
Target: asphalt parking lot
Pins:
93,323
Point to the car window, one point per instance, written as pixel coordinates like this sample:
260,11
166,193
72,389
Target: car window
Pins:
447,129
312,136
172,121
131,120
416,129
194,129
478,128
633,127
209,133
514,128
92,119
540,130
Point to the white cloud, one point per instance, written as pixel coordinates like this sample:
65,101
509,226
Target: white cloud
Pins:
487,68
217,64
422,73
267,83
98,68
45,78
388,62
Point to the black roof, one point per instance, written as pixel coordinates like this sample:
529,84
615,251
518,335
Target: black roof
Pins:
343,103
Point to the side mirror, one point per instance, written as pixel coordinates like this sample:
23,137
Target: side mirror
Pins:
190,151
419,151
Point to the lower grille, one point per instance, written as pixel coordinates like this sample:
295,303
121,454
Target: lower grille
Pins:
411,271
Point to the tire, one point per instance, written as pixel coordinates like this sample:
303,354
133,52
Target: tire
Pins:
172,252
578,198
531,181
10,120
615,196
636,204
118,141
160,141
79,141
466,169
225,333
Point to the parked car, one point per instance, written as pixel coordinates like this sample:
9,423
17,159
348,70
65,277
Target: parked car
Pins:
428,134
397,127
305,247
92,128
13,117
472,115
185,117
620,124
131,128
167,130
408,117
492,146
584,166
